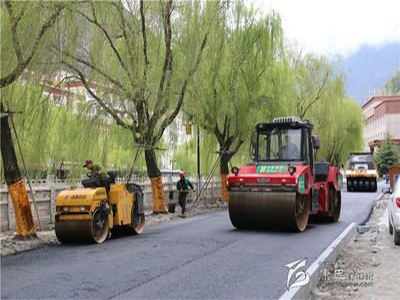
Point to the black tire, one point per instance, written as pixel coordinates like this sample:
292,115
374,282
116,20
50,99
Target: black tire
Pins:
355,185
368,186
390,226
396,237
335,204
349,185
374,186
138,220
99,227
361,185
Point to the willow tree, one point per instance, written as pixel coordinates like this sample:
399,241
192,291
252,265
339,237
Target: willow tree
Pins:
236,79
311,78
24,26
339,124
142,57
316,88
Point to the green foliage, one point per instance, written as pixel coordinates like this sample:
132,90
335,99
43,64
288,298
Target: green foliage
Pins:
185,158
338,122
52,135
386,156
393,85
28,31
316,92
236,80
245,75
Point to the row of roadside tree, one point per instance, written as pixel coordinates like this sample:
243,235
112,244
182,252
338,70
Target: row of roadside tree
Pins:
219,65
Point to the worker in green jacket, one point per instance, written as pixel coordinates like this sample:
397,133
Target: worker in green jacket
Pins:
95,170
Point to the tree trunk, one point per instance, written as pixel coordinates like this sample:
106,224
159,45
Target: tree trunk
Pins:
157,185
224,170
25,225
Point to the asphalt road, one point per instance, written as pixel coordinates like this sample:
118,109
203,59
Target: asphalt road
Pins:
199,257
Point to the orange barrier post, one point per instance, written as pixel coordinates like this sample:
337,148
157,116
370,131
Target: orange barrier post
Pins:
224,187
25,225
157,189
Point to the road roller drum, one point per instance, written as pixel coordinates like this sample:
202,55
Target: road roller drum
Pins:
269,210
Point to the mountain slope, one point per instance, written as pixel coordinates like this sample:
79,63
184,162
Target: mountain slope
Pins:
369,69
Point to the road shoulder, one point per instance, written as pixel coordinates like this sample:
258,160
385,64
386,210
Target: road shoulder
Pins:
367,268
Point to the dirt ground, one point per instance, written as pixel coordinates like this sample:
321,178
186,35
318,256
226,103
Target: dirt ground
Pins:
10,245
368,267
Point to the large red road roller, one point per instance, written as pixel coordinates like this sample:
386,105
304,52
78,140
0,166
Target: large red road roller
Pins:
283,185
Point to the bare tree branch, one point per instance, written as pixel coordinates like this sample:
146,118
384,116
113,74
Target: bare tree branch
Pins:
167,121
108,38
143,21
167,67
110,110
22,62
98,70
121,11
317,97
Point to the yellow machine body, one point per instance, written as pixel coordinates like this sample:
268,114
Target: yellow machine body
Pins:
88,214
124,201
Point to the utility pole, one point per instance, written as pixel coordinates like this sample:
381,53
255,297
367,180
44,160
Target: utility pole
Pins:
198,160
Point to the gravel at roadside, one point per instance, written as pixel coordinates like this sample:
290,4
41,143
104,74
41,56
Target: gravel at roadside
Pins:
368,268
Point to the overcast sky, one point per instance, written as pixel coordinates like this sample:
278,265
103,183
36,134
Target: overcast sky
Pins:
337,26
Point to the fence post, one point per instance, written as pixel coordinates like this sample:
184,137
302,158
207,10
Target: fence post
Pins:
212,189
52,199
9,205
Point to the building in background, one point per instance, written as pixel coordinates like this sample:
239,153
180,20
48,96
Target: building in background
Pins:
381,117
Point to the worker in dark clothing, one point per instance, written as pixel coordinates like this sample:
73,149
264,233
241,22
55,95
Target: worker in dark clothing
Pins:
183,188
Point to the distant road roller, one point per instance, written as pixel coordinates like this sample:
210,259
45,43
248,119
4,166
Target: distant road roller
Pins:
283,185
361,174
87,215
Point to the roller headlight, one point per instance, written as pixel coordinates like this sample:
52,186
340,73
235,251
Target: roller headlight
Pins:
291,170
235,170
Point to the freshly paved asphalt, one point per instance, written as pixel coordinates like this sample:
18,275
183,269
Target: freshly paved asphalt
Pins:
199,257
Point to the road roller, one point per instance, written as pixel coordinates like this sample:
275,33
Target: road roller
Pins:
361,174
283,185
91,213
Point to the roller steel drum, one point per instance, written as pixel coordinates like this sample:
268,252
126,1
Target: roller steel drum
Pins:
279,210
94,230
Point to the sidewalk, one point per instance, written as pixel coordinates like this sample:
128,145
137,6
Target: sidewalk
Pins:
9,245
369,266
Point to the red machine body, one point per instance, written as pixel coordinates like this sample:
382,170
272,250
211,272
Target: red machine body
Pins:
279,190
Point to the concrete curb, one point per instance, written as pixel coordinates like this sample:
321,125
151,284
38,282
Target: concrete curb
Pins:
329,255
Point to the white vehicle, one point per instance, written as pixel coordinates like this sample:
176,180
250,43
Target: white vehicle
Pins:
394,211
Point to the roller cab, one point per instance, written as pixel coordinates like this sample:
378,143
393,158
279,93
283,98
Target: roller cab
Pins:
89,214
277,189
